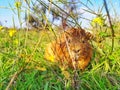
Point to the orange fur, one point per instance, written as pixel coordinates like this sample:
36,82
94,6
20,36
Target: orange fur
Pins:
72,49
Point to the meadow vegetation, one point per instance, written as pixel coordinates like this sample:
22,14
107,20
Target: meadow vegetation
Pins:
22,59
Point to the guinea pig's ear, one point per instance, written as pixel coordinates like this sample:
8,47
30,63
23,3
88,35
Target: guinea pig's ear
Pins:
89,36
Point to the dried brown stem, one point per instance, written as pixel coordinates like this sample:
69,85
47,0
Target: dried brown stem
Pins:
13,79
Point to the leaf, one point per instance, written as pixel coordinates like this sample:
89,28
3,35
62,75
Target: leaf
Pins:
41,68
46,87
103,34
107,67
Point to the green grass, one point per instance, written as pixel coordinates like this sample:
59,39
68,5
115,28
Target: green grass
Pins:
103,73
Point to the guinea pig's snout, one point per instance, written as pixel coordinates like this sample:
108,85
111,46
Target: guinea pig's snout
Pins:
76,53
76,50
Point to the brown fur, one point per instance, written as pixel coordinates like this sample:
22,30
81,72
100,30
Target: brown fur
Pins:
71,49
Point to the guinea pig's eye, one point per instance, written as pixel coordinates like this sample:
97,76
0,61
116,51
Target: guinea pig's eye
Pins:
69,40
83,41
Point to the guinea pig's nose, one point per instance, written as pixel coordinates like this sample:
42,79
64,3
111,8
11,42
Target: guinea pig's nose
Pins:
76,51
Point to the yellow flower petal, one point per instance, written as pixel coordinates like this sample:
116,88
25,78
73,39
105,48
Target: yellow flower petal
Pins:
18,4
12,32
98,20
51,58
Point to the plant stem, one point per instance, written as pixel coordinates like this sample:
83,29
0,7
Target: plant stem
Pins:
111,26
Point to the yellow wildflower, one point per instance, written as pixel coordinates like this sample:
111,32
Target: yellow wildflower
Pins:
1,27
16,42
51,58
18,4
12,32
98,20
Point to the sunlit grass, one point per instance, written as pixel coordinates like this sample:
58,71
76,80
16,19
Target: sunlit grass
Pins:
102,73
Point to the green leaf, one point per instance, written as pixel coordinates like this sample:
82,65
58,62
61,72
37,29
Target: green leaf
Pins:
103,34
46,87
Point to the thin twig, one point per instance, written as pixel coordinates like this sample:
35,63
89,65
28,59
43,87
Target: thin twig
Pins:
12,79
76,81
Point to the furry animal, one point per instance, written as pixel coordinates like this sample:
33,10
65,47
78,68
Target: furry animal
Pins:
72,49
